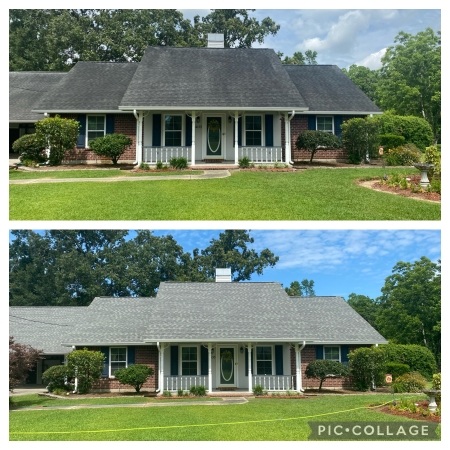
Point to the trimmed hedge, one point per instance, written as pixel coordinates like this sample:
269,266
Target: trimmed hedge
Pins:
30,148
396,369
56,377
391,140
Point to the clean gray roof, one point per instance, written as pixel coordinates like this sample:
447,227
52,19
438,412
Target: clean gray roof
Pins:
26,89
327,88
211,77
90,86
44,327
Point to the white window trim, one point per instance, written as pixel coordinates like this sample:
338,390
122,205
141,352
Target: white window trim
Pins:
110,359
87,126
263,131
180,360
332,124
332,346
255,361
183,128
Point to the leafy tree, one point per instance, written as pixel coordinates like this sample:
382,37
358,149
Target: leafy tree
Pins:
410,78
300,59
59,135
365,79
410,305
366,307
22,358
322,369
305,288
112,145
360,137
87,366
135,375
312,140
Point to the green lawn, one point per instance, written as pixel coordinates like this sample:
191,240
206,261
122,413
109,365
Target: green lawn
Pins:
257,420
315,194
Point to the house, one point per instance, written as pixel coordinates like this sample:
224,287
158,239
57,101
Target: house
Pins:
222,335
209,105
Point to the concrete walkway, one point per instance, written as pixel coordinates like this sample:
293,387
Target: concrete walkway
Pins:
207,175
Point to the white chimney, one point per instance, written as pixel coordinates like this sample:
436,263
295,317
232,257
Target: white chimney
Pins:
215,40
223,275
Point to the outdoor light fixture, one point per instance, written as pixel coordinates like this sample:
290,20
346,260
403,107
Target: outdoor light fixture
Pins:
242,349
197,120
230,119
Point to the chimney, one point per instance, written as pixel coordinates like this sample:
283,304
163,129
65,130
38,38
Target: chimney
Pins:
215,40
223,275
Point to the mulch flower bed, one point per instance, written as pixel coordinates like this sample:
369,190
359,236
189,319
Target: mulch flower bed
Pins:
419,415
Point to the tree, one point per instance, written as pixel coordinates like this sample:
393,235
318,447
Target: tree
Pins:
305,288
410,77
299,59
367,367
365,79
22,359
312,140
135,375
59,135
410,305
322,369
112,145
366,307
87,366
361,138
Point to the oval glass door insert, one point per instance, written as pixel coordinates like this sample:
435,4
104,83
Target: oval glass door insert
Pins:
227,366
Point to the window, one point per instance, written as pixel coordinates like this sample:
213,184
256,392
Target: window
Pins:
253,130
332,353
264,360
96,127
325,123
173,126
118,358
188,360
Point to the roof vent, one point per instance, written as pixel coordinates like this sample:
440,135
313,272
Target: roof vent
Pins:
223,275
215,40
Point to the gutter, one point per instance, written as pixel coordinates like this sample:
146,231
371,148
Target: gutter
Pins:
159,368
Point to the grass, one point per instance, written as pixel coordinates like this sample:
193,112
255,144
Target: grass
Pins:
315,194
257,420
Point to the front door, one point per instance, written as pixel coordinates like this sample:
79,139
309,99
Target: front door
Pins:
214,137
227,365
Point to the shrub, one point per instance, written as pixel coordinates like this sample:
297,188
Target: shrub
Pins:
396,369
198,391
135,375
312,140
179,163
433,156
391,140
144,166
258,390
159,165
30,148
180,392
87,366
244,162
360,137
322,369
167,394
436,382
435,186
402,156
410,382
56,377
367,366
111,145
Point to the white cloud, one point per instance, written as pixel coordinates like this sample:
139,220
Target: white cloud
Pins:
373,61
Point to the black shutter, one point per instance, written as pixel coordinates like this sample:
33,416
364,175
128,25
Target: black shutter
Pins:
203,360
109,123
240,132
269,130
156,139
174,360
188,131
311,122
81,142
131,355
337,126
278,360
344,354
319,351
105,372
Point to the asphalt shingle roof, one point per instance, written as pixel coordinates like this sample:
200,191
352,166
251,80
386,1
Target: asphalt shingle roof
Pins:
26,89
327,88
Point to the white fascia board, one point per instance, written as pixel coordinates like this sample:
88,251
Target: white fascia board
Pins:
24,121
380,341
331,113
215,108
79,111
240,340
105,344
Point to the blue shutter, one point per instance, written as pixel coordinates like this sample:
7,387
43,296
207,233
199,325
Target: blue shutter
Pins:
109,123
156,139
131,355
337,126
269,129
174,360
344,354
188,131
203,361
105,372
311,122
240,132
278,360
319,351
81,142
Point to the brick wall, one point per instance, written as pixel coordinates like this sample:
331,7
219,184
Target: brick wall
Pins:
123,124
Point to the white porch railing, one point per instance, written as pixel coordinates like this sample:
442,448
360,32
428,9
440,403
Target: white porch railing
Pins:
185,382
152,155
274,382
261,154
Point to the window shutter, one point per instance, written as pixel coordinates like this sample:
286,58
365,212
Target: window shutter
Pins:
240,132
174,360
105,372
188,131
131,355
311,122
278,360
337,126
81,142
203,361
109,123
344,354
319,351
156,140
269,130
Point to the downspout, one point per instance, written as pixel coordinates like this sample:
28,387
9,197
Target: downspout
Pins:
287,132
75,389
298,365
159,367
138,118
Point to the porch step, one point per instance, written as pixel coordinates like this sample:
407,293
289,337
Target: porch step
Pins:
211,167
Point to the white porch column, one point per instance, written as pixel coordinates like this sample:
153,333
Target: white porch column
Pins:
194,117
209,367
250,387
236,130
287,137
161,348
139,116
298,375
